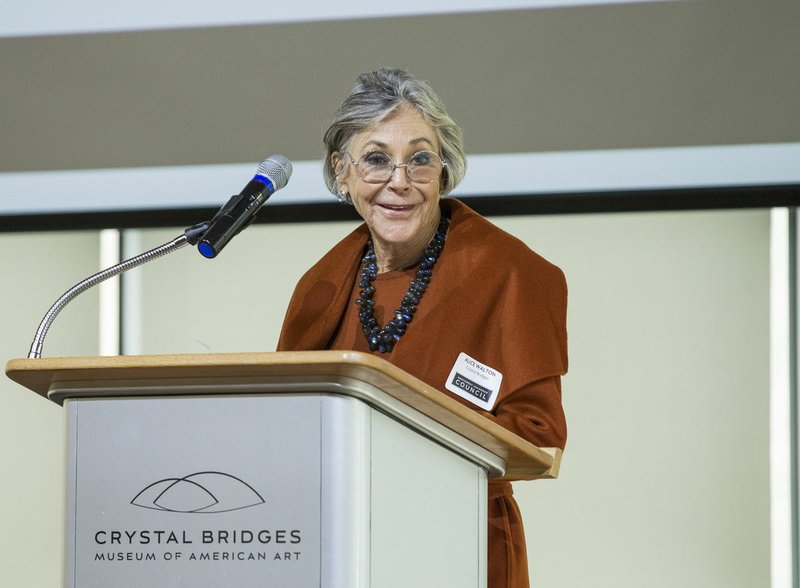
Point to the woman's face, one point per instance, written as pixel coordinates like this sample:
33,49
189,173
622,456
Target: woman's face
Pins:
401,215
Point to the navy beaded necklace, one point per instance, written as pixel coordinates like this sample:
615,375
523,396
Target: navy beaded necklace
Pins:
384,339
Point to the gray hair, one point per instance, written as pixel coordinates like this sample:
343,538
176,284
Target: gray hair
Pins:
375,96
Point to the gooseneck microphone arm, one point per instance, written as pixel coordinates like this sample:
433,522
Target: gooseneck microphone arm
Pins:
189,237
273,174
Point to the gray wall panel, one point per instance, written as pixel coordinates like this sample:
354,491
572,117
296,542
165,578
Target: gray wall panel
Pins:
602,77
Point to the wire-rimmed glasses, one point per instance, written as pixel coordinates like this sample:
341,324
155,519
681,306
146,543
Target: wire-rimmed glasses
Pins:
376,167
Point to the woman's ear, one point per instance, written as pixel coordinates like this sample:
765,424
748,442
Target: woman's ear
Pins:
339,170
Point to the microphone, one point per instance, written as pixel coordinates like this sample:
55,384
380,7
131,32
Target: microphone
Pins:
272,175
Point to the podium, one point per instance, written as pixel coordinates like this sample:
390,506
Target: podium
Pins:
329,469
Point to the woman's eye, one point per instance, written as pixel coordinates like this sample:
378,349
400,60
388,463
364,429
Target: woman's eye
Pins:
421,158
377,159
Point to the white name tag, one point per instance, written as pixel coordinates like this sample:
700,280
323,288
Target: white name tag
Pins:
474,381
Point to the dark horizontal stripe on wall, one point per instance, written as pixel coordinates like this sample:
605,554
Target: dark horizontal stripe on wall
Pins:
516,205
712,198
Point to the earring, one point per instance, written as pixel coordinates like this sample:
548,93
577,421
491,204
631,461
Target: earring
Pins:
343,197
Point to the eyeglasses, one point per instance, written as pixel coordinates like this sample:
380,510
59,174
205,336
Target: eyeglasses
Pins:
376,167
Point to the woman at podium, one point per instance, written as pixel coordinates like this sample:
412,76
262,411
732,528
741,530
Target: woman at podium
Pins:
432,286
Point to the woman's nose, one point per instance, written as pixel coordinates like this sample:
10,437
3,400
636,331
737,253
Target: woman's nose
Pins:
400,177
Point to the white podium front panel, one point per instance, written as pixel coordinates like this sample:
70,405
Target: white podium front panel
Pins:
268,490
194,492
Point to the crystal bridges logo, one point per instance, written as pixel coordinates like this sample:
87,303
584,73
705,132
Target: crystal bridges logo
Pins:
194,538
201,492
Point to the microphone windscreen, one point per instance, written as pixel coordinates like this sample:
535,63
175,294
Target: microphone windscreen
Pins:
278,169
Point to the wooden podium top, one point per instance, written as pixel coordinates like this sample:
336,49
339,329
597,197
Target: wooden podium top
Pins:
55,377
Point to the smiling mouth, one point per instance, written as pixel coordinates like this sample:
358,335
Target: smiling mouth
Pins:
397,207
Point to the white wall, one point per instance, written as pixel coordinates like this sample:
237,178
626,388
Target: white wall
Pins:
37,268
665,477
665,480
234,302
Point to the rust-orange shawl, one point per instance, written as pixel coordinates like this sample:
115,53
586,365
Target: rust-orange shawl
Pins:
490,297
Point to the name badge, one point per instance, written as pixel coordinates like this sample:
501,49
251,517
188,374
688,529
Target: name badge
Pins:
474,381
